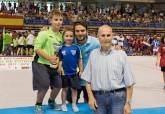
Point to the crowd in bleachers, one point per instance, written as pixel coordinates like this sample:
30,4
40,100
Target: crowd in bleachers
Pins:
27,8
125,13
112,13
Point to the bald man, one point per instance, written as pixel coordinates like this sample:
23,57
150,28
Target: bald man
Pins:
109,79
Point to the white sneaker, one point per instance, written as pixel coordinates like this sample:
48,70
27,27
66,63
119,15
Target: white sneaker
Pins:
75,108
64,108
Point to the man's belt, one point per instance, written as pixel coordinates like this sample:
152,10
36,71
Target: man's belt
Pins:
107,92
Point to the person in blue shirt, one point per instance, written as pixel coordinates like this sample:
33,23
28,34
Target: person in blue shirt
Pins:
70,68
156,45
87,44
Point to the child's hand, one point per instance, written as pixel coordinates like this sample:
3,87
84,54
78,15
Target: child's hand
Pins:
59,70
56,63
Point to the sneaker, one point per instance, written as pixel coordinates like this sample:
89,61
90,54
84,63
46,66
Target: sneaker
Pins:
64,108
75,108
54,106
38,109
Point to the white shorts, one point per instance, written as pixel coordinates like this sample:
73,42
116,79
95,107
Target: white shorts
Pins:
155,49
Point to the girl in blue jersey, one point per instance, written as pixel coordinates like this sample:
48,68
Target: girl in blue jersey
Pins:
70,68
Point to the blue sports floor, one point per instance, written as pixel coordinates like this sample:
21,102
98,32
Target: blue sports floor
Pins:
84,109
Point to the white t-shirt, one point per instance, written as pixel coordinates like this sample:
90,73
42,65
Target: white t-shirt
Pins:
30,39
21,41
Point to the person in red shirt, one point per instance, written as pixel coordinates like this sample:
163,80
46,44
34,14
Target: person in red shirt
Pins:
161,57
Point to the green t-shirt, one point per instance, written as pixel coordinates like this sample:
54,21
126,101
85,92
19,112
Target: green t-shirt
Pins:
15,42
7,38
47,40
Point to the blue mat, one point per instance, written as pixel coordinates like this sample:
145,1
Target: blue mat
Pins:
159,110
84,109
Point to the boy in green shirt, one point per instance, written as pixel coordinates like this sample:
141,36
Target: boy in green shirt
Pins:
46,76
7,40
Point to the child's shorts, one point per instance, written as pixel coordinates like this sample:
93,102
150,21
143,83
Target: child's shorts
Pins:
72,81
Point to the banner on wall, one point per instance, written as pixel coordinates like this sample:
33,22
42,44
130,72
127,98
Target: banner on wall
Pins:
11,21
15,63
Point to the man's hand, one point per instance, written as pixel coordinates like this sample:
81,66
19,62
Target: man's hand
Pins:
127,108
92,103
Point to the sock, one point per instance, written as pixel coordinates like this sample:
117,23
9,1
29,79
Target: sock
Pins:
39,104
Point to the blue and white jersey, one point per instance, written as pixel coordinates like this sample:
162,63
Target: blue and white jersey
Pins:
70,56
156,43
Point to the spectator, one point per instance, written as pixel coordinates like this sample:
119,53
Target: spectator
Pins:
161,58
21,44
30,39
9,5
15,5
7,41
156,45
